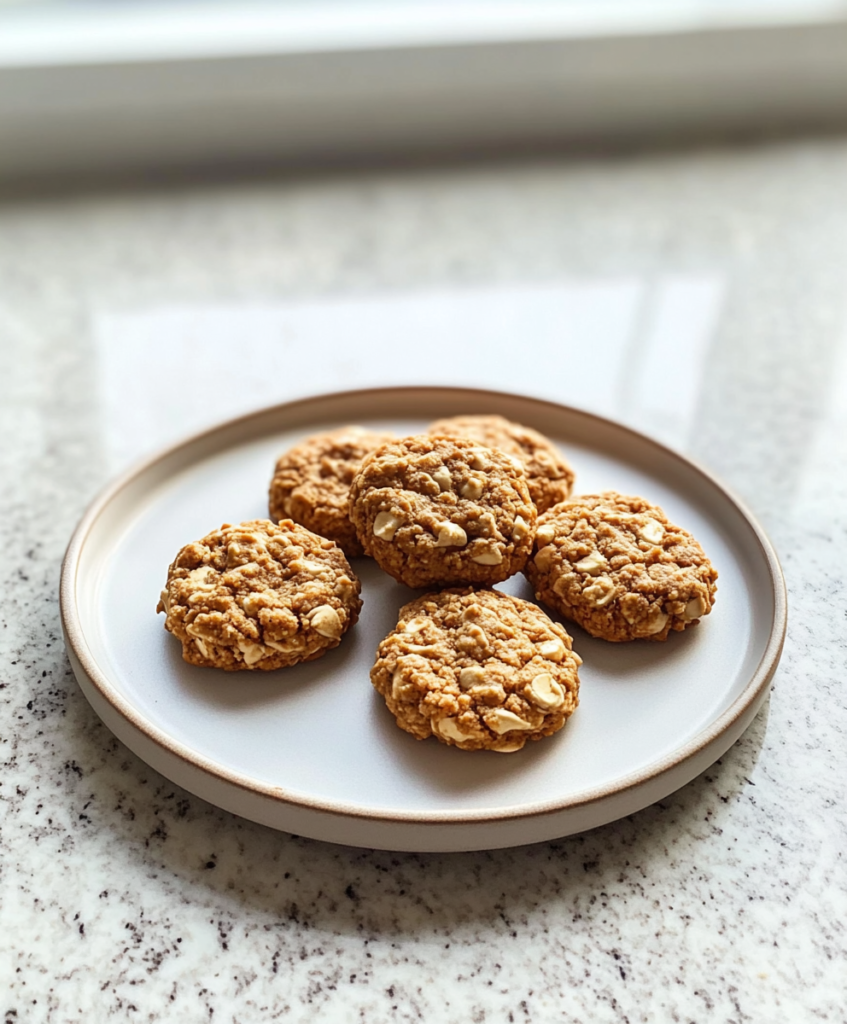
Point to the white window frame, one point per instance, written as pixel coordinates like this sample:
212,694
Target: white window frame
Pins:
150,86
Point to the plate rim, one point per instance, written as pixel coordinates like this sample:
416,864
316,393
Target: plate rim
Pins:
693,748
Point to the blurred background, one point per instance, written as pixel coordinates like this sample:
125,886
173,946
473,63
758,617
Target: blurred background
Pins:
97,87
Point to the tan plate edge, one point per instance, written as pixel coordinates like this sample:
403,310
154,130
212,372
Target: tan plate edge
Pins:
753,692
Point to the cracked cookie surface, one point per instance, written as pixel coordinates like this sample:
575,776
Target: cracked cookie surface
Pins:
549,476
477,669
439,511
618,567
312,480
259,596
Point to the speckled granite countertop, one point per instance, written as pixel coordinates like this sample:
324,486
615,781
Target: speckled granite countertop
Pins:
125,898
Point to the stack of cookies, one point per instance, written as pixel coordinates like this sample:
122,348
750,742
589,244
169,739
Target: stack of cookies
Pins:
456,510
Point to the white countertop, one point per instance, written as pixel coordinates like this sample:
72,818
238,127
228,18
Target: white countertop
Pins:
700,297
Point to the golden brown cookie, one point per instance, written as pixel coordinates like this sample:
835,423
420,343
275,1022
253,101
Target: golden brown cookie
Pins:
311,483
548,473
478,670
259,596
438,510
617,566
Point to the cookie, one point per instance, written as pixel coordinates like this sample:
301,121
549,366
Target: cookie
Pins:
437,510
311,483
548,473
478,670
259,596
617,566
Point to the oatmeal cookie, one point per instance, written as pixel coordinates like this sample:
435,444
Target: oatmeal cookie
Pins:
478,670
311,483
549,475
617,566
439,510
259,596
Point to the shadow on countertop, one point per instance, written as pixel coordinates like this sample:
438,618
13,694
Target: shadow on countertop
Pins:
199,852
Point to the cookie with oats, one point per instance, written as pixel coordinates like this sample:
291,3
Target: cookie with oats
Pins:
619,568
477,669
259,596
438,510
312,480
549,476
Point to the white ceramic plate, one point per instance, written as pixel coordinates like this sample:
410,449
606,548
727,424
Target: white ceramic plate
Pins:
312,749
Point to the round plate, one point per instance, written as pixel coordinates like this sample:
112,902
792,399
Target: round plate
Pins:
313,749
